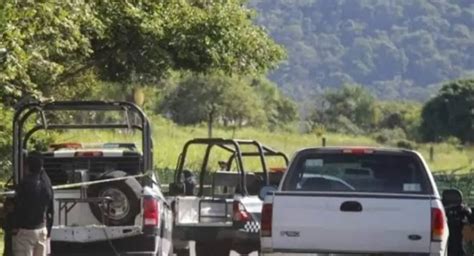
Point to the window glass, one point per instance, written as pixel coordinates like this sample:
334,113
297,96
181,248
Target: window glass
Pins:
336,172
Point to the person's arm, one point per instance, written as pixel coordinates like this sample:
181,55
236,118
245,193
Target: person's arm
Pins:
467,213
50,215
50,206
19,203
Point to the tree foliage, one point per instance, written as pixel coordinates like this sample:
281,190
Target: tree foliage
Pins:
450,113
397,49
41,41
350,109
50,43
5,140
403,115
278,108
201,98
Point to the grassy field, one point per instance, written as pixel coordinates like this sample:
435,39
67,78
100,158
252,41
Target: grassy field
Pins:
1,241
170,138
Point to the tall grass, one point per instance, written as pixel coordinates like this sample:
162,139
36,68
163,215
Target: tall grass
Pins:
169,139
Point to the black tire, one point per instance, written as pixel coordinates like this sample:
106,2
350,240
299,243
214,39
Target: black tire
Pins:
182,253
217,248
246,251
126,200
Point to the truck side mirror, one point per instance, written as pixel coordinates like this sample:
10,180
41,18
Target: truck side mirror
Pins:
176,189
265,190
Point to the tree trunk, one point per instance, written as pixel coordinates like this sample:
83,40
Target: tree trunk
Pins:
233,131
210,121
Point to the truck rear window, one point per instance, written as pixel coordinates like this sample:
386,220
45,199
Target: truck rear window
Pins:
377,173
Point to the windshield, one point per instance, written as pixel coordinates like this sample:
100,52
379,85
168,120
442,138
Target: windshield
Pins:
378,173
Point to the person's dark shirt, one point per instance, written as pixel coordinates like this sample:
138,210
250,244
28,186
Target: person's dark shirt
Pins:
457,217
34,202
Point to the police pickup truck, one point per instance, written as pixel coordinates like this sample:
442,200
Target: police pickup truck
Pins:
364,201
217,206
107,198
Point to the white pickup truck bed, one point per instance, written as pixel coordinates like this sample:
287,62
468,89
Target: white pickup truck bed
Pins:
340,214
323,226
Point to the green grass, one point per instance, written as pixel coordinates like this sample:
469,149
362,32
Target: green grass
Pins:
170,138
1,241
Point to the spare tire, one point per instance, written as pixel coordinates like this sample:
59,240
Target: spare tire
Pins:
125,195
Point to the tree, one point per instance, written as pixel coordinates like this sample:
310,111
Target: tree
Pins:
41,41
279,110
49,43
211,98
5,141
351,104
450,113
403,115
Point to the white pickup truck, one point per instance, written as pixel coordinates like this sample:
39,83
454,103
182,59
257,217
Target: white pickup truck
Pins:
364,201
107,199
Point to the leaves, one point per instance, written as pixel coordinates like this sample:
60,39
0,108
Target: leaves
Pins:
42,40
49,43
197,97
450,113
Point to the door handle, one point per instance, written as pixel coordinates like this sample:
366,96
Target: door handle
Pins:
351,206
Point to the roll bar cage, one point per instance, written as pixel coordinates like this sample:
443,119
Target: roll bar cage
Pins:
232,146
25,111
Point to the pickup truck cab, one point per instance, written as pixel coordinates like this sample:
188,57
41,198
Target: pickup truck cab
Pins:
107,198
364,201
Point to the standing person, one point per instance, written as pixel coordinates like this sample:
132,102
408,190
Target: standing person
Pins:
33,209
458,214
8,207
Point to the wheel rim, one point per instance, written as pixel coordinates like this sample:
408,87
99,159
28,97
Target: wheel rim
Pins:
119,207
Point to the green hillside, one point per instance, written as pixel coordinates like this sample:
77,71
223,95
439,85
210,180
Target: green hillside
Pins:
398,49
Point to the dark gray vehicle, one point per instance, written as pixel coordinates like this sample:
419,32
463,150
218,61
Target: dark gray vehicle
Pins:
220,210
107,197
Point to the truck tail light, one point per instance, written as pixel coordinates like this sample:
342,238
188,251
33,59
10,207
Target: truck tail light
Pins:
151,211
89,154
437,224
239,212
357,151
267,216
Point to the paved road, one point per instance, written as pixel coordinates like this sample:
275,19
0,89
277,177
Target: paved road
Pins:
231,254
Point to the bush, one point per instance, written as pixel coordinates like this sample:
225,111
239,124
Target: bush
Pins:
451,140
406,144
384,136
343,124
319,130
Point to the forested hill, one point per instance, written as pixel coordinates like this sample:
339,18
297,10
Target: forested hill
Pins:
399,49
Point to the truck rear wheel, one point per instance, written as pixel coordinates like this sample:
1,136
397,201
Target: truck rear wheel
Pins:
246,251
217,248
125,205
182,253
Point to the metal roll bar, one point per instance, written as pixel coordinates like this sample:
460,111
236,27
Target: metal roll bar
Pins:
232,146
25,111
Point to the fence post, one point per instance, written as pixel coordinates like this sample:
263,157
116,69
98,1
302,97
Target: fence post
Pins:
323,141
431,153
